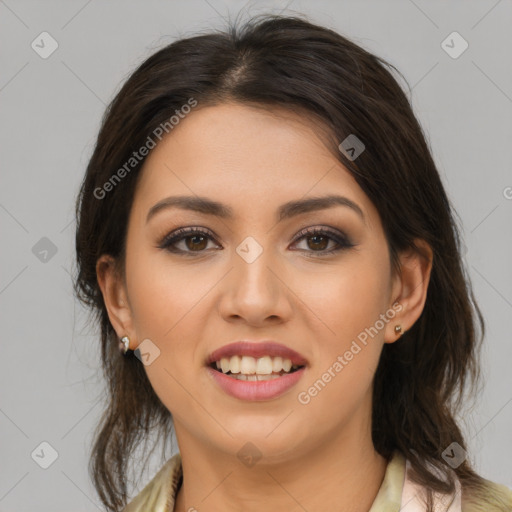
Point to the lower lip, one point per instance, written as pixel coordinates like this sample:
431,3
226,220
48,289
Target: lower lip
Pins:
256,390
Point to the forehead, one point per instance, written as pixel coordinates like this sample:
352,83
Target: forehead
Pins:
247,157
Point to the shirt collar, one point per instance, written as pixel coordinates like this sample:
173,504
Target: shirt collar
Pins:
389,497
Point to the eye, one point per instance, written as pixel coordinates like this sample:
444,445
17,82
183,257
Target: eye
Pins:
194,240
317,239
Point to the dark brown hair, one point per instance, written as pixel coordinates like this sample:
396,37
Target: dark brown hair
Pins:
291,63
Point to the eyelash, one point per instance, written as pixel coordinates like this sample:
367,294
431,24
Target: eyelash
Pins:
184,233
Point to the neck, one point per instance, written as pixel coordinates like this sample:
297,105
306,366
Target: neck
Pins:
343,474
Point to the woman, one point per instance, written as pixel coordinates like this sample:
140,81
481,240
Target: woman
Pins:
263,233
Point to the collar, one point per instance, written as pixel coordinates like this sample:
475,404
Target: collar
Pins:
389,497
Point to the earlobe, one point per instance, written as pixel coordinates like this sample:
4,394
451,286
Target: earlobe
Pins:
410,289
114,294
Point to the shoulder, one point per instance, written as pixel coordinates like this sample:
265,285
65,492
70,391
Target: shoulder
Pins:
158,495
487,496
493,497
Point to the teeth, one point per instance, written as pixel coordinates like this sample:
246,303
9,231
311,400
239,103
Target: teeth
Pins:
277,364
234,364
264,366
248,365
224,365
251,367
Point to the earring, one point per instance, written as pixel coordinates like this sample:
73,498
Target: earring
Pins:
398,330
124,346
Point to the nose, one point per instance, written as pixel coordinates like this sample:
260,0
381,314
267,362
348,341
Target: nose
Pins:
256,291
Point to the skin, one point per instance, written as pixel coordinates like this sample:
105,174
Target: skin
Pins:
317,456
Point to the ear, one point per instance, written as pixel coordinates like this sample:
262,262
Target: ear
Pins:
114,293
409,288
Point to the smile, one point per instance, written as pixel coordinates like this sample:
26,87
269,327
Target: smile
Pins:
255,370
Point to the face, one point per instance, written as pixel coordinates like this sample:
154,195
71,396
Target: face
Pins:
317,280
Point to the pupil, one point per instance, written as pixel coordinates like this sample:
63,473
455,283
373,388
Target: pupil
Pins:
316,237
195,237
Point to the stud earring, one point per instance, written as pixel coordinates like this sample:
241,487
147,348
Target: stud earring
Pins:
398,330
124,346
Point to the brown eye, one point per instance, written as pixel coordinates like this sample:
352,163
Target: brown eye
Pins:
318,242
195,240
318,239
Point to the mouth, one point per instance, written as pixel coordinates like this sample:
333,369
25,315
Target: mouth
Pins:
255,369
263,370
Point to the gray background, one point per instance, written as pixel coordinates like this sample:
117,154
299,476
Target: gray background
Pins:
50,114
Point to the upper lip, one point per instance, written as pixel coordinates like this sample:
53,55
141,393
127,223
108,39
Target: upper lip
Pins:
256,350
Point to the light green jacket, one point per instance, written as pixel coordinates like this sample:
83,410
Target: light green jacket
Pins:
397,493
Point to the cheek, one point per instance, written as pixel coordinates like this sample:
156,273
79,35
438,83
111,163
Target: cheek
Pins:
351,298
165,304
169,307
347,354
161,295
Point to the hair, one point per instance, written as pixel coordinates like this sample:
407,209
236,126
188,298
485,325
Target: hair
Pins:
287,62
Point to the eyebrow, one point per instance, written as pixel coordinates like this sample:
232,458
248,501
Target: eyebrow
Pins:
287,210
